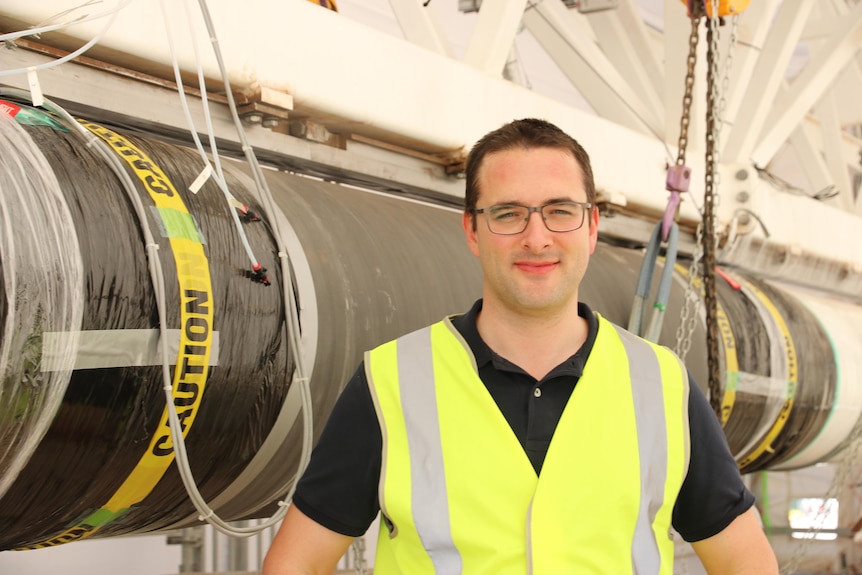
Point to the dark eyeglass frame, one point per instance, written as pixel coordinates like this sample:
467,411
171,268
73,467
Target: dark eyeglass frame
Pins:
587,206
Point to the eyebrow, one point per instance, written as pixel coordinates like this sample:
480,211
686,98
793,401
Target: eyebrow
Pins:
547,201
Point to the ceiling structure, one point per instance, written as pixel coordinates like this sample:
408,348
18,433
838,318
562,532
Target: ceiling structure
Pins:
794,71
390,95
365,107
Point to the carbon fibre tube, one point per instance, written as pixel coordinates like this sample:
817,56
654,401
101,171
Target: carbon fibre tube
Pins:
85,450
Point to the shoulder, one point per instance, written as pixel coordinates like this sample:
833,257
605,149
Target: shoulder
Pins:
640,349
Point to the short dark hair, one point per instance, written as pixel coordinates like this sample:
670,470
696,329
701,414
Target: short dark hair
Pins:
528,133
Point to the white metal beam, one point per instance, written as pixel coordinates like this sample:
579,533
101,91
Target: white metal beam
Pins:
819,28
766,80
830,128
622,36
512,68
810,157
752,29
810,128
834,111
420,26
141,104
811,83
494,35
848,85
565,37
847,88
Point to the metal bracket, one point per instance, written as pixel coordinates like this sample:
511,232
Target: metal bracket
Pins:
587,6
266,107
308,130
583,6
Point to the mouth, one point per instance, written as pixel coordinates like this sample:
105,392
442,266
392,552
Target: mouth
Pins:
539,268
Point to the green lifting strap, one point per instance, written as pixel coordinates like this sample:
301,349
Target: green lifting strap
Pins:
636,319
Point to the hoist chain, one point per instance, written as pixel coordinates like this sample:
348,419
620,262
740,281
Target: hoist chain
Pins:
691,301
843,474
688,316
685,118
358,547
709,228
728,66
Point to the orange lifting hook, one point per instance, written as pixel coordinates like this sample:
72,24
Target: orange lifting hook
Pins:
725,7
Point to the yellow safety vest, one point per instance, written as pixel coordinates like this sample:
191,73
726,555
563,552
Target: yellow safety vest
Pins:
459,495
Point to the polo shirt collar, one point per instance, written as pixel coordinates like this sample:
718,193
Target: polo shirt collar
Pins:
574,365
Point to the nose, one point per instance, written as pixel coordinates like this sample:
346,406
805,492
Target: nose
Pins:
536,236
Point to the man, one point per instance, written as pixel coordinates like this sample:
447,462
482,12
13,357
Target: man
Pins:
528,435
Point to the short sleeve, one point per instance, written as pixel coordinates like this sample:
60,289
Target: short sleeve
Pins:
713,494
339,487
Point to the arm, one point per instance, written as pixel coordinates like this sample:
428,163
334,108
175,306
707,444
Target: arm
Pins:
304,547
336,498
741,548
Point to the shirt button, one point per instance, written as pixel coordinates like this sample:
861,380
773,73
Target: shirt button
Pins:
537,392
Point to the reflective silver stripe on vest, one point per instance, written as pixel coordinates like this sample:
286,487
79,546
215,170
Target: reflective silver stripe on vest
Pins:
529,527
429,498
648,395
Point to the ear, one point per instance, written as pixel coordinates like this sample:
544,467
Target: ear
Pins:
594,229
472,239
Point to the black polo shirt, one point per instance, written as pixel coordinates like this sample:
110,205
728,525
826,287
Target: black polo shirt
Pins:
339,488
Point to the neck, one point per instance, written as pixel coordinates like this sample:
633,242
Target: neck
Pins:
537,343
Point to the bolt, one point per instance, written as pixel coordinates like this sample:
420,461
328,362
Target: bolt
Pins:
253,118
742,175
742,197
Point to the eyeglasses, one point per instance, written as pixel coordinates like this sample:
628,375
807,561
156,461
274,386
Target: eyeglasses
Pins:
510,219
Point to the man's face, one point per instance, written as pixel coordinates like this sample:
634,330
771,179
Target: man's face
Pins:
537,271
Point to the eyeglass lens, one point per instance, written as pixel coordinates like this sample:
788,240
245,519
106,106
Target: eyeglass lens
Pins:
558,217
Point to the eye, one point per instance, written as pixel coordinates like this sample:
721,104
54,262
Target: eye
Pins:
563,210
507,213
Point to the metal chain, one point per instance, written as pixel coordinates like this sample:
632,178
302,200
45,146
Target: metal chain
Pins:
691,305
688,316
842,475
358,547
709,227
720,95
685,117
728,66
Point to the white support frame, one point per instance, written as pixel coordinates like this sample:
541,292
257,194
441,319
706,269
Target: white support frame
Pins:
812,82
810,158
622,36
848,86
830,128
766,80
421,26
752,30
411,97
494,35
566,36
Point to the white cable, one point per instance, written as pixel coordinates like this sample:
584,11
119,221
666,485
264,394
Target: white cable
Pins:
52,27
218,176
158,281
112,15
292,323
203,89
157,276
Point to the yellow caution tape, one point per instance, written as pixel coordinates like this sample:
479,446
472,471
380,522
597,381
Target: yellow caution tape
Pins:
193,359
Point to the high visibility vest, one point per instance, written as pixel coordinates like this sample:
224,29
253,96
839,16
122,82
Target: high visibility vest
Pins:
459,495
